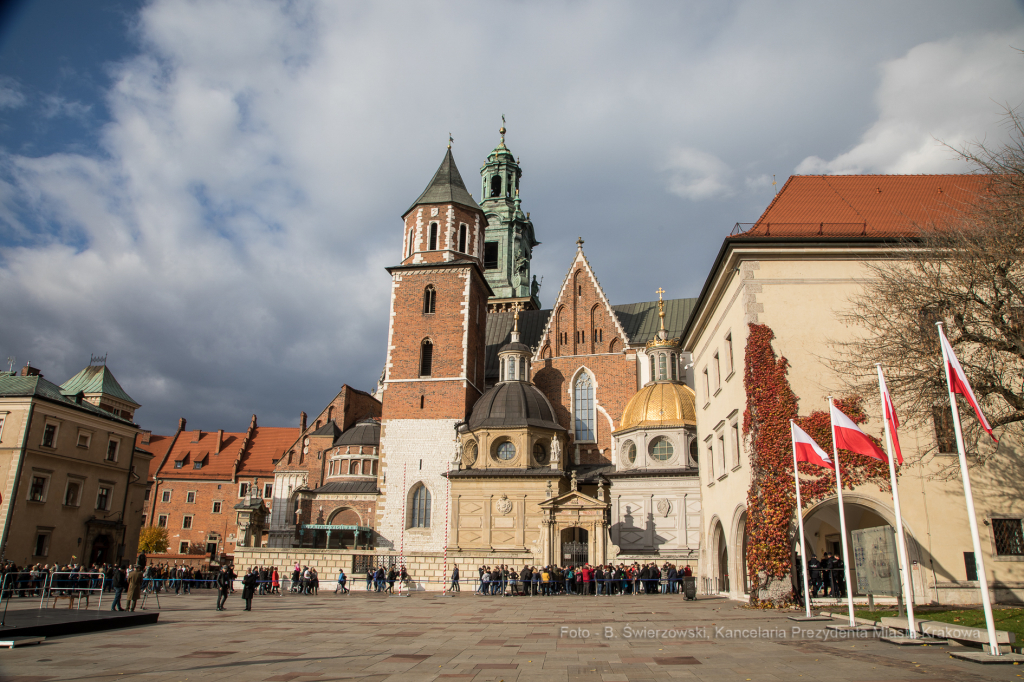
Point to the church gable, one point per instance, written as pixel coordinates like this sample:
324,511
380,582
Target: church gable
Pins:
582,321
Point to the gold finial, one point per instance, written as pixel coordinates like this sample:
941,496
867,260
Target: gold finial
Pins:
501,131
450,140
515,317
661,307
579,243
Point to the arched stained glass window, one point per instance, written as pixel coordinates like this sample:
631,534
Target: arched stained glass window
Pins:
420,507
522,369
672,361
583,408
506,451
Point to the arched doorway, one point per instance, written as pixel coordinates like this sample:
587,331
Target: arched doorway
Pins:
722,576
738,547
100,550
343,539
575,546
822,533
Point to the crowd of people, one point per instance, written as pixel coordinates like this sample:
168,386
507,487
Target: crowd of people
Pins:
380,580
607,579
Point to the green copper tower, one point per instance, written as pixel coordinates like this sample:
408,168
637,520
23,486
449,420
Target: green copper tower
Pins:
509,238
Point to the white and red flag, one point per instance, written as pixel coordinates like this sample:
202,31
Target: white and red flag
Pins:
890,414
806,450
958,382
848,436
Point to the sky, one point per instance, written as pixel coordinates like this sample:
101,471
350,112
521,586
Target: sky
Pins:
208,192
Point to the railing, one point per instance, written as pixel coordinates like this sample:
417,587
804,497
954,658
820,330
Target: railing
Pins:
9,585
74,585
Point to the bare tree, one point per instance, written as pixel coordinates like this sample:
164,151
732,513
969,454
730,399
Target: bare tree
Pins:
968,272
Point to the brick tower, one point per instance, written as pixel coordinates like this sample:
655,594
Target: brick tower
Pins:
435,360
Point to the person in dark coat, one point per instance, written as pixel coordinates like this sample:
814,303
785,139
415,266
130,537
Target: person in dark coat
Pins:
134,587
249,587
118,581
814,569
455,579
223,587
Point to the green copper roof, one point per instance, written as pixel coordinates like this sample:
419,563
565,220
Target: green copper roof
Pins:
38,387
96,379
640,320
447,187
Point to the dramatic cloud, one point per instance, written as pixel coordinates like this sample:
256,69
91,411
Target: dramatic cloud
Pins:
224,233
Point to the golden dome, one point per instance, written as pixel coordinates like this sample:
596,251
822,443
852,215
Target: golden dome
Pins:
661,404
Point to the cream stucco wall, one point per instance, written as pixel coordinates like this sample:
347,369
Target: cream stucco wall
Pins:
801,291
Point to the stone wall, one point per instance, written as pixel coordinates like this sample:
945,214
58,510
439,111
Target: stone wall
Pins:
426,569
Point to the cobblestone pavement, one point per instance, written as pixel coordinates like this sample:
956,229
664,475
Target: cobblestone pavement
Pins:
370,637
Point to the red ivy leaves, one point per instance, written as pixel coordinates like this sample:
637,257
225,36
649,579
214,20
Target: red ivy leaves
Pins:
771,497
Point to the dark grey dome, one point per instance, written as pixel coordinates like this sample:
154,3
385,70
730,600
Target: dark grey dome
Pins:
515,345
512,404
366,432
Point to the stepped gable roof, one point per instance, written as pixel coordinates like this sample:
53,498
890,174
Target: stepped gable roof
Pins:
879,206
513,404
36,386
254,457
96,379
365,432
446,187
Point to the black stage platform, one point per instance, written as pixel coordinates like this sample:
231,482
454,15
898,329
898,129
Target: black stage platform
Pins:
58,622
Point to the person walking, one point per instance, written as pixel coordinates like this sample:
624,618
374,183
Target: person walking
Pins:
118,581
341,582
134,587
223,587
276,581
455,579
249,587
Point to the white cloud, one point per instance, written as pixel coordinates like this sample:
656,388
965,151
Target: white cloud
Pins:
54,106
939,93
697,175
11,96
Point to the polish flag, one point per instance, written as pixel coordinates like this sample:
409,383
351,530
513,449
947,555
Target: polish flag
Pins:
848,436
890,414
807,450
958,382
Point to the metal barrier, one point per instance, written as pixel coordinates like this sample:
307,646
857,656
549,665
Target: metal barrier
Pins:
8,586
73,586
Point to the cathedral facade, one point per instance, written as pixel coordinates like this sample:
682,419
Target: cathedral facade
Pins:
544,436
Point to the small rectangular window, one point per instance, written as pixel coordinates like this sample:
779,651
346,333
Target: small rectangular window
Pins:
103,498
970,566
145,495
186,522
721,452
707,385
183,547
463,231
190,497
490,255
268,490
143,520
718,372
49,435
37,492
72,494
42,544
216,507
161,521
945,436
179,463
735,444
243,489
165,496
112,446
1,427
1009,535
710,458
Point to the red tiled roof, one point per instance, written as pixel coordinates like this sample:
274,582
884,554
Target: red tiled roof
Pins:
157,445
266,445
864,205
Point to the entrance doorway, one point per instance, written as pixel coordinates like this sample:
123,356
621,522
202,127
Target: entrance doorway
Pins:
723,561
100,548
575,546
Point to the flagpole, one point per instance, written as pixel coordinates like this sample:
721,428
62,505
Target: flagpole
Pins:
842,517
908,592
800,519
979,559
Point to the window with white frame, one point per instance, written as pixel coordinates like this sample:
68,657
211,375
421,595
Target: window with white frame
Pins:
707,385
583,409
217,506
735,444
718,371
112,447
243,489
268,491
190,497
103,495
161,521
709,456
73,493
183,547
165,496
3,418
186,521
721,452
420,517
50,435
84,438
42,544
38,486
730,367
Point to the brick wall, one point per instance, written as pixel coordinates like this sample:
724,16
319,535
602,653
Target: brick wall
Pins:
204,520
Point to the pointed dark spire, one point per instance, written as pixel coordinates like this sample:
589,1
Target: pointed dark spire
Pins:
446,187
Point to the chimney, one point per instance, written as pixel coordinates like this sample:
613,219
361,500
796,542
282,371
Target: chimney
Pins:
302,422
30,371
220,440
181,425
196,435
144,439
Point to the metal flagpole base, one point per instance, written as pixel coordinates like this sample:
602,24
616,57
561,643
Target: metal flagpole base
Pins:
987,658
